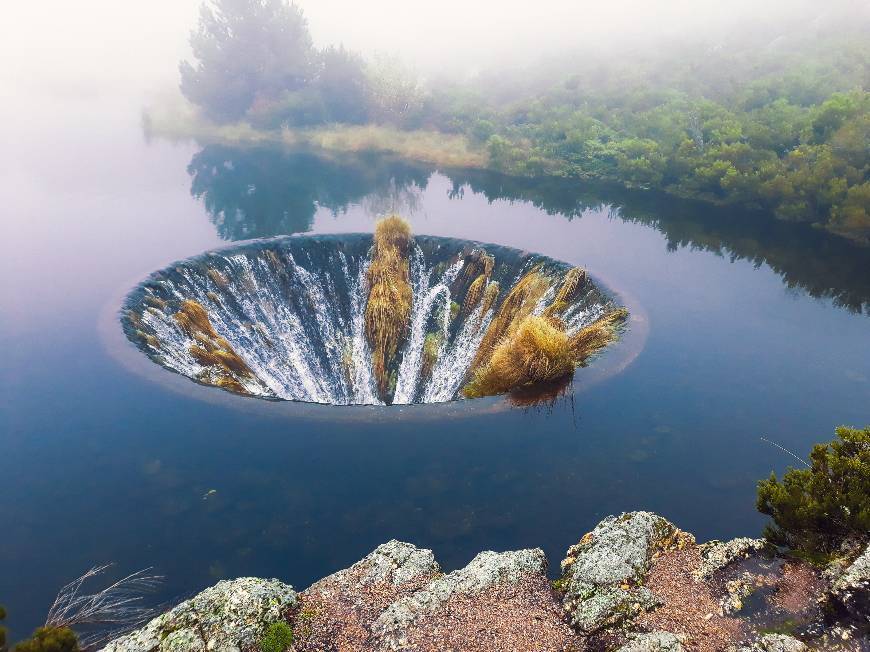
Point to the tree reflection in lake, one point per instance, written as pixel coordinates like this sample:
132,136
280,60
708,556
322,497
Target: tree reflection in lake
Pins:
267,191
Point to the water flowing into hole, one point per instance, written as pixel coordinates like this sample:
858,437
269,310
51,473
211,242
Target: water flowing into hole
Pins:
286,318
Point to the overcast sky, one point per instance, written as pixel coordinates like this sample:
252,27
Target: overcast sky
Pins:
81,47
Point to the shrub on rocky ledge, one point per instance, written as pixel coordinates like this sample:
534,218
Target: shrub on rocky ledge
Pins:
50,639
816,508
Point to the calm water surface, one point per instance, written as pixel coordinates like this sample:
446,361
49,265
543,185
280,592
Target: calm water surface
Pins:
755,329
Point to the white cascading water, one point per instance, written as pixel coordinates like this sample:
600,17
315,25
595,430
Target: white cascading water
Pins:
299,323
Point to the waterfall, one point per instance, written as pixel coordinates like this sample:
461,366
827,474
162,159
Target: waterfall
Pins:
286,318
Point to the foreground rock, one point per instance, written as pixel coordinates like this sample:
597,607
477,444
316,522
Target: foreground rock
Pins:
635,583
603,574
229,617
851,590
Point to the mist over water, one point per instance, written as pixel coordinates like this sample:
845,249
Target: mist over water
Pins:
746,317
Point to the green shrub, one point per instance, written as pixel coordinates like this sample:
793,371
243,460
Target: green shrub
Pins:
815,508
277,638
2,630
50,639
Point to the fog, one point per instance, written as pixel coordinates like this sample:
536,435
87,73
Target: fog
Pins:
99,47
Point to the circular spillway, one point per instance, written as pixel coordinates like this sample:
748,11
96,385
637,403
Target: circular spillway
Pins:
308,318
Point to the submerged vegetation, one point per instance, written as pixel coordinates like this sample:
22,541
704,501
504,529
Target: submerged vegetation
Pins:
761,120
815,509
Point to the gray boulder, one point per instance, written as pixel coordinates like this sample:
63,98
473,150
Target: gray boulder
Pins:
851,590
485,570
394,562
602,575
716,555
654,642
231,616
775,643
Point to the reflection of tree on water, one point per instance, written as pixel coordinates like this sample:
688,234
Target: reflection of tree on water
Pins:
820,264
266,191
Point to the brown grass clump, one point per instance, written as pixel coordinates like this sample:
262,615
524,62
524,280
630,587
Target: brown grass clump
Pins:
218,278
388,310
155,302
474,295
597,335
275,261
476,263
135,319
193,319
223,365
431,346
517,305
490,295
535,352
540,351
573,281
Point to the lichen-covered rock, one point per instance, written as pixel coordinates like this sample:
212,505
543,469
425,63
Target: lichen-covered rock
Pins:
851,590
485,570
716,555
654,642
775,643
395,562
231,616
736,591
603,574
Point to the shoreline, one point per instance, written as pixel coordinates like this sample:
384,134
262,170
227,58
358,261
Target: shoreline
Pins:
179,121
636,583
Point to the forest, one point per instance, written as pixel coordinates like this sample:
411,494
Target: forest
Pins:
760,119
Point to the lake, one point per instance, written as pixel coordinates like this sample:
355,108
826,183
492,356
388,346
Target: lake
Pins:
749,329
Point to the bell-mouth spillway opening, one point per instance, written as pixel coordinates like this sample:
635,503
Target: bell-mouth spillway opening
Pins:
362,319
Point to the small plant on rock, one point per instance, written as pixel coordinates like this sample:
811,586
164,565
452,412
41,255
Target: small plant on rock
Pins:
278,637
50,639
814,509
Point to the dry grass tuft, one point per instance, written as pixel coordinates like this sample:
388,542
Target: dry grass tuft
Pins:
431,347
540,351
218,278
135,319
490,296
598,334
224,367
517,305
536,352
572,283
388,310
155,302
193,319
473,295
275,261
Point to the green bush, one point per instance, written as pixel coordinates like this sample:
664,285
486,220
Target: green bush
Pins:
815,508
2,630
50,639
277,638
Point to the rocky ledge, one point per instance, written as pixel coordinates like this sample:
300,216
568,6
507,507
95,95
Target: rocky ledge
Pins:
636,583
